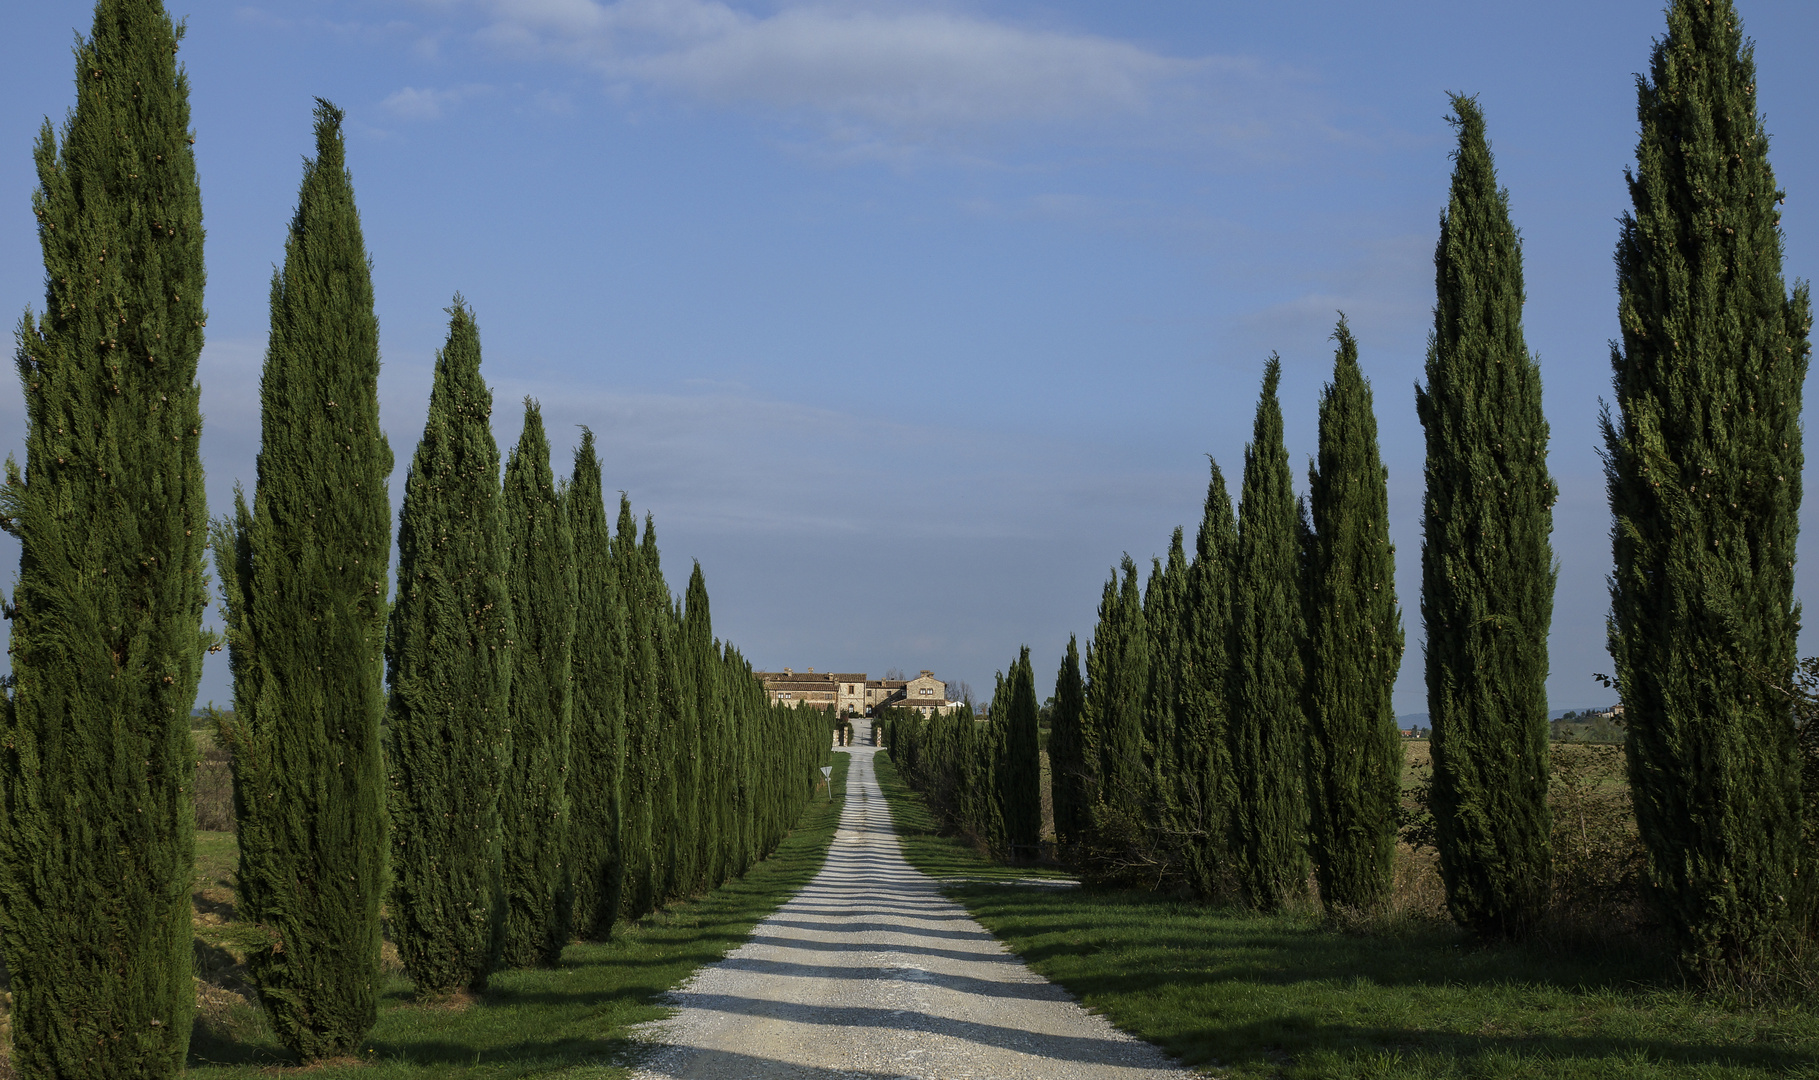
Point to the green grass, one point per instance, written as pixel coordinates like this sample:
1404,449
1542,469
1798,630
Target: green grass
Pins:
570,1021
1249,995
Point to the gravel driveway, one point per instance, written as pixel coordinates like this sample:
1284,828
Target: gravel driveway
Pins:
870,972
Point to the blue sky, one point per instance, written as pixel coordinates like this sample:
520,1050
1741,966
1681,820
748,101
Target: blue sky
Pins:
908,319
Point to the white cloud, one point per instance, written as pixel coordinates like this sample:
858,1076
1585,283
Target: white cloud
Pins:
907,70
883,75
412,103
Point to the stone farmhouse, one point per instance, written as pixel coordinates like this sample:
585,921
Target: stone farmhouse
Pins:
852,693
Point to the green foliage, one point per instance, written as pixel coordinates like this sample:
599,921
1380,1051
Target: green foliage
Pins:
303,575
540,575
95,755
1354,648
1165,620
1140,754
1487,571
670,862
1269,820
639,894
974,780
448,666
1020,778
1117,694
1203,747
705,778
1071,784
1703,463
677,841
597,748
714,772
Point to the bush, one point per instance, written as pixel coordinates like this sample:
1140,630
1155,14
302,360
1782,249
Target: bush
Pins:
1599,865
213,786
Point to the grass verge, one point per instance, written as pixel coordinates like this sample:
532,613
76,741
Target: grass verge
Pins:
935,854
1252,996
570,1021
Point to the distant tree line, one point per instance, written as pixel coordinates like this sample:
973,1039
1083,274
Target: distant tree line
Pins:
528,741
1231,734
981,778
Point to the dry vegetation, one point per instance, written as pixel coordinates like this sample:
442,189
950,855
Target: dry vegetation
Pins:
1598,855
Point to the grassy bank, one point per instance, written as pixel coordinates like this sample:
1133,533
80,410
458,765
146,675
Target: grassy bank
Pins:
568,1022
1248,995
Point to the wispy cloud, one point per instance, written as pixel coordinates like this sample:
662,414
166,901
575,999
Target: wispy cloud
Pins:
412,103
877,77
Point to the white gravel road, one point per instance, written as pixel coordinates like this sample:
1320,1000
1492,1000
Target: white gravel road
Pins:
869,972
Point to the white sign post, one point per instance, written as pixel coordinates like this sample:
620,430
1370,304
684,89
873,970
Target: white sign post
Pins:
827,777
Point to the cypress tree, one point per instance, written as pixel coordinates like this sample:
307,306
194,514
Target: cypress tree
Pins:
1164,614
540,573
1703,463
742,702
1354,648
698,658
1203,750
1266,723
1070,784
97,833
597,752
1117,687
672,824
1021,777
448,658
1487,571
1125,781
642,734
304,577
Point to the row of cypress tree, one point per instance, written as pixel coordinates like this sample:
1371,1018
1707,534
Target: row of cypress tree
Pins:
981,777
1234,721
529,655
380,748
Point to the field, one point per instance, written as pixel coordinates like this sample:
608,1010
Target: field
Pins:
1294,995
570,1021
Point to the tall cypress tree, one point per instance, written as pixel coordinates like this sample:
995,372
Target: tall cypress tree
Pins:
1117,689
597,752
672,825
643,736
304,577
1116,693
1487,573
1164,611
1070,786
1703,462
540,569
1021,777
698,658
1203,749
448,657
97,833
1354,649
1266,725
